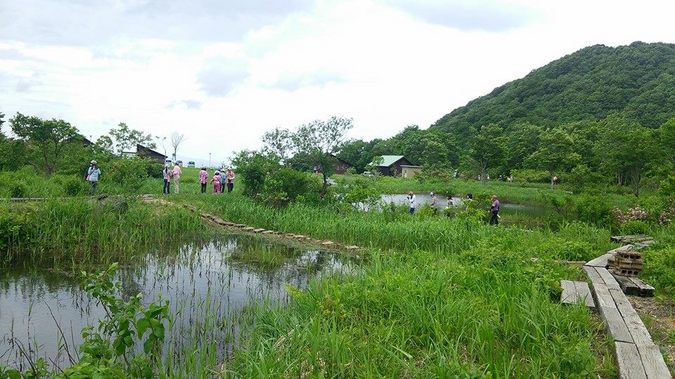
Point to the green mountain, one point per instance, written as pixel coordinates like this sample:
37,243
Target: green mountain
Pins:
635,81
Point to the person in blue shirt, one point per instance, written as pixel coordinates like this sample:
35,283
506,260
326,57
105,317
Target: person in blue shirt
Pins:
93,172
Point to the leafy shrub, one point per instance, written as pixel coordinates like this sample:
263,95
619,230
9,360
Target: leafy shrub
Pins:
74,187
635,227
129,174
18,189
594,209
286,184
153,169
530,176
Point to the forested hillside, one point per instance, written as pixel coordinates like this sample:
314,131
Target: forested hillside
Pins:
602,114
637,80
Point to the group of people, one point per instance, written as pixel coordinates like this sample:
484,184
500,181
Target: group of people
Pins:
168,174
494,205
220,180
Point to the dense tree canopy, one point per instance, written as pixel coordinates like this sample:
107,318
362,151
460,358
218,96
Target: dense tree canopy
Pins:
567,117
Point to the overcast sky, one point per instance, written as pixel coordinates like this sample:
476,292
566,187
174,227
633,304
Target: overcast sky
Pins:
223,71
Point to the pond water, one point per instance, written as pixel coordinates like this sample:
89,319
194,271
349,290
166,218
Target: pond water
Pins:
443,202
210,286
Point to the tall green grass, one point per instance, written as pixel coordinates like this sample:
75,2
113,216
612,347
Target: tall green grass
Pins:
78,230
481,313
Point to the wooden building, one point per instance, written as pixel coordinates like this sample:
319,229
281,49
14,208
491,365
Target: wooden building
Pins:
341,166
148,153
394,165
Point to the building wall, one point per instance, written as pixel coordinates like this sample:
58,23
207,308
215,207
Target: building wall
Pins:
410,172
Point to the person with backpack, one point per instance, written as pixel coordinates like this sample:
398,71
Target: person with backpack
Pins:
93,172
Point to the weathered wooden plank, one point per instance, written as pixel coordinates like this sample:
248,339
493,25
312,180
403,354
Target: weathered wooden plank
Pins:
616,325
627,285
645,289
602,296
569,292
628,359
600,261
593,274
636,328
607,278
585,293
652,361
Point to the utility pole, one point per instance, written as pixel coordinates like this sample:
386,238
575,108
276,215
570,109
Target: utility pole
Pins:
209,160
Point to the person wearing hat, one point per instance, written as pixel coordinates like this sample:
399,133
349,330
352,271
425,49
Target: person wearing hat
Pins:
434,202
93,172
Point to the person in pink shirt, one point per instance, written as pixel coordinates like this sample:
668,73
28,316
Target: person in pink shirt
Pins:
203,178
216,182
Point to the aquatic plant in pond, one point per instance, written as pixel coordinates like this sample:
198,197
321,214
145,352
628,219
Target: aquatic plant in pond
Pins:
210,296
81,231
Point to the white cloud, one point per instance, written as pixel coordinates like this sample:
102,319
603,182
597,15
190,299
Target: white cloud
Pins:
223,73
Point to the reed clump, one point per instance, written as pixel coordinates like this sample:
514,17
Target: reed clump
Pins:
83,230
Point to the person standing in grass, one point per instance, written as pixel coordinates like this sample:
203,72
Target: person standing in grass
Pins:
494,210
203,178
176,177
230,179
434,202
166,175
223,180
93,172
216,180
411,200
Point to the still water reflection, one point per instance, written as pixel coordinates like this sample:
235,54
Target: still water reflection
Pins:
209,287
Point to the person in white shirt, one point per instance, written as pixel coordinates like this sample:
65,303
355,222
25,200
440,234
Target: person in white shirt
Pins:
411,200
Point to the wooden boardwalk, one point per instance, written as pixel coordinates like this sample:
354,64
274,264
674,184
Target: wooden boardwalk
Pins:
573,292
636,354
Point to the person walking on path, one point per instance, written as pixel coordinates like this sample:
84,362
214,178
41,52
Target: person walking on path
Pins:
494,210
216,182
203,178
411,200
93,172
176,178
166,175
230,180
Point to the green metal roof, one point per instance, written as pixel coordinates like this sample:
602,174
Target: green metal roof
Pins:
388,160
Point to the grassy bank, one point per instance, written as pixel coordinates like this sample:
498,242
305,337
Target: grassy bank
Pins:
485,312
88,231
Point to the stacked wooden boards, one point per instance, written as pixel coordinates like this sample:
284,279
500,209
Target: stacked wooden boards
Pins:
637,355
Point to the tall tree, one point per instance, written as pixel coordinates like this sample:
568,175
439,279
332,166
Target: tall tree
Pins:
176,140
278,142
628,150
47,137
320,140
126,138
488,148
522,141
555,153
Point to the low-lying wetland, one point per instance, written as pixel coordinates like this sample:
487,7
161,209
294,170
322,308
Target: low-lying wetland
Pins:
211,287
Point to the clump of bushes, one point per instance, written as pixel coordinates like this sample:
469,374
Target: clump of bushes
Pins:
74,186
